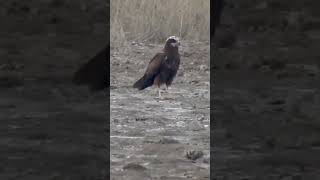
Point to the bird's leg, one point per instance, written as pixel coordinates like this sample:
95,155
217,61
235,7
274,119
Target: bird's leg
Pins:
159,91
165,88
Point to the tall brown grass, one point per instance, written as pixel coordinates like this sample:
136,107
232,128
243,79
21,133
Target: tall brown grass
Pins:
155,20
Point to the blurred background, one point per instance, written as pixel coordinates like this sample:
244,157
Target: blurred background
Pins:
47,122
155,20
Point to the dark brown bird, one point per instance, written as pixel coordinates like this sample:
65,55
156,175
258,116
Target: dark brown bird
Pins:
163,66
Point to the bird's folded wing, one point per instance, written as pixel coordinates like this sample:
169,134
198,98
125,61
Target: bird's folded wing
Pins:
155,64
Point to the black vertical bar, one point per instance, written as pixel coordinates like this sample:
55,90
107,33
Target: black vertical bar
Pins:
215,12
108,89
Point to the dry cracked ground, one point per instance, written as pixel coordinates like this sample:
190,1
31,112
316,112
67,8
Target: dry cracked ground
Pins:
165,138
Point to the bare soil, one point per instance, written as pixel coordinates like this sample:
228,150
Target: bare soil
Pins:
165,138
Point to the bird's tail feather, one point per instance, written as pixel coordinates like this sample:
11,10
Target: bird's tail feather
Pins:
143,82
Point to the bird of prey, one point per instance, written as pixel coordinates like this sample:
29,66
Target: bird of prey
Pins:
162,67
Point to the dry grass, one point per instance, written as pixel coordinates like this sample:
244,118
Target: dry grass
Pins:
155,20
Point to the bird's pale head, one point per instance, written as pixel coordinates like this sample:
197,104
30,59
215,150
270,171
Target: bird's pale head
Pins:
173,41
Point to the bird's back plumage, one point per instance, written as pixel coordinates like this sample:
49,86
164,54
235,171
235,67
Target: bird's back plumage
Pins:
152,71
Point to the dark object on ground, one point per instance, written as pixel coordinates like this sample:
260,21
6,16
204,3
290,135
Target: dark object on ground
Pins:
94,73
163,66
194,155
134,166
